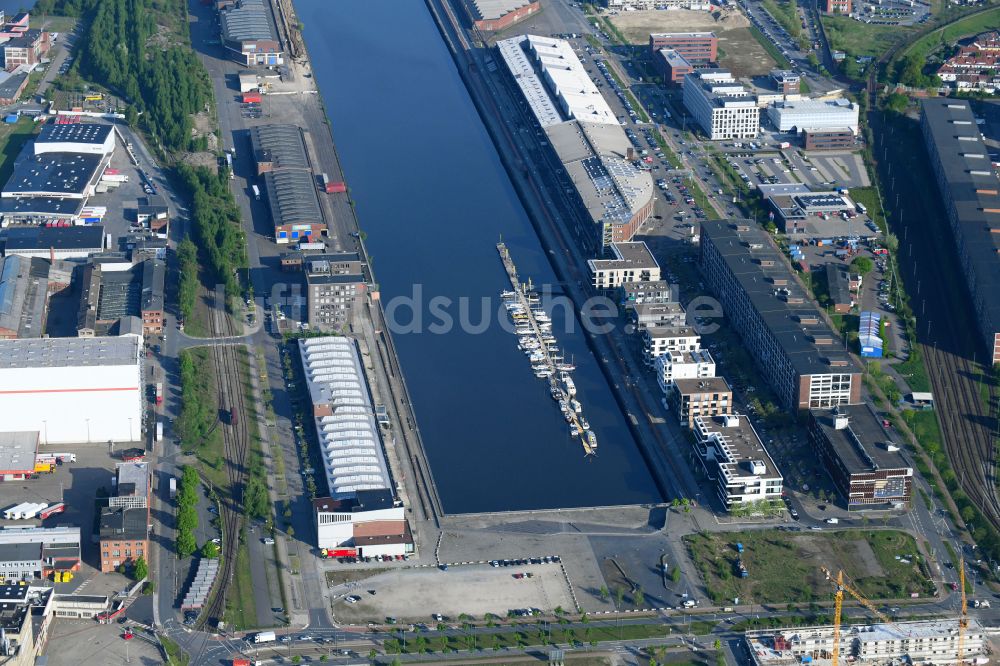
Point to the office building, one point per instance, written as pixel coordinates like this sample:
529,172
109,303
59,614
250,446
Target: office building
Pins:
921,642
863,456
721,106
73,389
336,286
798,354
26,49
496,15
632,262
672,66
734,456
672,366
248,34
970,192
703,396
694,47
802,212
813,114
838,138
584,134
786,81
647,291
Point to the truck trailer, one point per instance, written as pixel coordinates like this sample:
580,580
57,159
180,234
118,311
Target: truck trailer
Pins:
264,637
173,488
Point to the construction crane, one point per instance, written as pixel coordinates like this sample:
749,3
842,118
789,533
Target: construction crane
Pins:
963,618
842,587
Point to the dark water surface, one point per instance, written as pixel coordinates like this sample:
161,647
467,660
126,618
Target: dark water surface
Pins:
434,199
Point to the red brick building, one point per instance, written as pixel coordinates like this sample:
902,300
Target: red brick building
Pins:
695,47
838,6
25,49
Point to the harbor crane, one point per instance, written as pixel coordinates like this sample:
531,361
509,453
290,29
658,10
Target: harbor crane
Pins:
842,587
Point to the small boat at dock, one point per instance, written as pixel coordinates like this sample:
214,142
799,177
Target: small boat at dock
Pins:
557,394
577,407
591,439
569,384
584,424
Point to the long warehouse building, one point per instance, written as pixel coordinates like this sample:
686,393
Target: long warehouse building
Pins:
970,191
73,390
584,133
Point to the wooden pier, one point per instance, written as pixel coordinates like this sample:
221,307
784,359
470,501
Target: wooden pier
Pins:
519,289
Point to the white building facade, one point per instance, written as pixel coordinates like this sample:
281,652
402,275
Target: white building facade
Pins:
813,114
721,106
73,390
671,366
734,455
660,340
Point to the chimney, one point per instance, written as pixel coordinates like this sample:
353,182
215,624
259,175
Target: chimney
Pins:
630,153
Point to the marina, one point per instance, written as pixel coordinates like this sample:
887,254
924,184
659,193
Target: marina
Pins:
533,328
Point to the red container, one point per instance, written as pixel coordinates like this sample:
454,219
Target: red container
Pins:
251,98
338,186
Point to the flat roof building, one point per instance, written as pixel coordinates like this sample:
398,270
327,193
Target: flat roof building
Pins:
632,262
584,133
81,138
720,105
672,66
734,456
970,191
123,536
797,352
834,138
17,454
369,524
635,292
786,81
335,285
73,389
801,211
54,175
694,47
74,243
813,114
863,457
697,364
700,396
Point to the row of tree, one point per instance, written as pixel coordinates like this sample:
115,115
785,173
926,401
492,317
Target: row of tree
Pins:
217,228
197,421
187,289
187,512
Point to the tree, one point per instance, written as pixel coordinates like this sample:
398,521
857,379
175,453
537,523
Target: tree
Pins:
718,644
862,265
210,550
638,597
897,102
619,596
604,592
675,575
141,569
186,544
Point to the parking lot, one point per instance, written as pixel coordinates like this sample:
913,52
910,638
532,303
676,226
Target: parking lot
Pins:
98,644
475,589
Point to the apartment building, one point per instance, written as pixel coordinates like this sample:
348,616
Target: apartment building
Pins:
651,291
632,262
862,456
694,47
123,536
970,192
708,396
647,315
798,354
659,340
734,456
683,365
720,105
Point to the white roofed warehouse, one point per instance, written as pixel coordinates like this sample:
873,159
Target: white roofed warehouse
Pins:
73,390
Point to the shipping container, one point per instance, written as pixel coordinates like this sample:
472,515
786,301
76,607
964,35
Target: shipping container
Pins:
29,511
264,637
251,98
159,431
256,192
173,488
15,510
159,393
336,186
43,466
58,507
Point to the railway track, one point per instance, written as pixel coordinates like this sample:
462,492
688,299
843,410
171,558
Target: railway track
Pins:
235,436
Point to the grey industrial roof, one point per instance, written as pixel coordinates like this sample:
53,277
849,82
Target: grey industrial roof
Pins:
11,86
674,58
52,173
280,144
153,274
248,21
837,284
92,133
20,552
493,9
134,473
40,206
863,445
42,238
17,450
69,352
292,197
26,38
972,187
762,274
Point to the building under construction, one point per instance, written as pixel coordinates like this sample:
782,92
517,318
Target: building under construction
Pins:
927,642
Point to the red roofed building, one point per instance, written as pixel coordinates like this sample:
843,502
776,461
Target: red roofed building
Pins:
974,67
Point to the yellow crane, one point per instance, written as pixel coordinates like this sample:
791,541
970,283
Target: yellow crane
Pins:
963,618
842,587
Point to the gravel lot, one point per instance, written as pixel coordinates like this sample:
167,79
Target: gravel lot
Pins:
473,589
